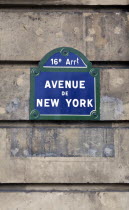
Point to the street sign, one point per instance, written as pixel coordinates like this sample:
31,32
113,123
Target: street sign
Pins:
64,86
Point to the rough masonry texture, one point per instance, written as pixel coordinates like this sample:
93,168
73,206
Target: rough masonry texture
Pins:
64,200
26,162
61,142
86,162
15,92
30,34
66,2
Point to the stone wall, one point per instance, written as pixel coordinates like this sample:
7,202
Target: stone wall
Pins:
64,165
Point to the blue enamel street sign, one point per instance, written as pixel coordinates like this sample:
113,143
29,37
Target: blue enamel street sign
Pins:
64,87
58,61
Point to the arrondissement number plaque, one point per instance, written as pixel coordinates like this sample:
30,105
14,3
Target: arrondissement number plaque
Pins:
64,86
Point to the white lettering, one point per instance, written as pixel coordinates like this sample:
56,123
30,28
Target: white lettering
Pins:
68,102
64,93
75,103
46,103
72,62
47,84
82,84
82,103
39,102
54,84
60,84
75,84
79,102
65,84
89,102
67,61
54,102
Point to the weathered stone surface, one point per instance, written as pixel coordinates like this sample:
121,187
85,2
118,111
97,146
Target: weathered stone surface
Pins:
30,34
114,94
14,93
64,200
61,142
106,35
66,2
19,167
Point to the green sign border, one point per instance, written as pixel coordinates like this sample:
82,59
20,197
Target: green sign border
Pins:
95,72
